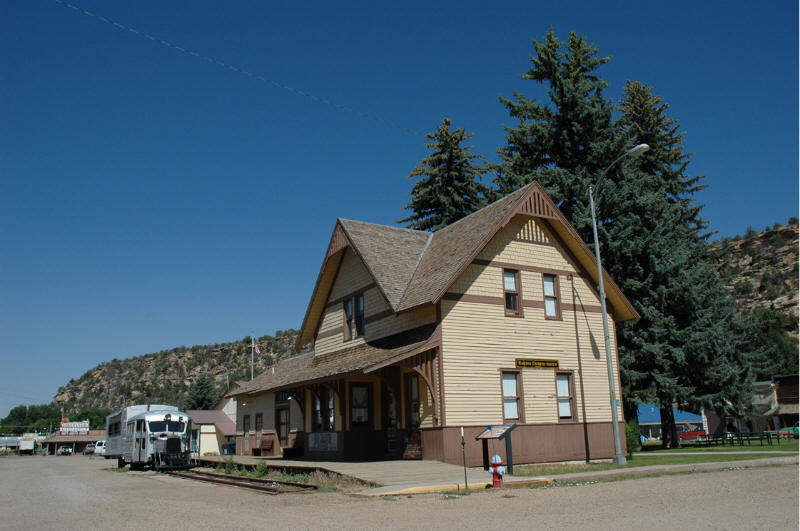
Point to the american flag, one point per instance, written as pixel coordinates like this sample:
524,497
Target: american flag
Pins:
255,348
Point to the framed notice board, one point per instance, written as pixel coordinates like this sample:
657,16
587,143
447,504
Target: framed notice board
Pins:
499,432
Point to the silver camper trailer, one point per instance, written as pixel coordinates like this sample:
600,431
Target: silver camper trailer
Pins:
155,436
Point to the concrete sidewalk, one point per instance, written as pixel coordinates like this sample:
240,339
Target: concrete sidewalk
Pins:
393,478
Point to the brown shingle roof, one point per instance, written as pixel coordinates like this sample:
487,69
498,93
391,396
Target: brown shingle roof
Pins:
452,248
415,268
308,368
389,253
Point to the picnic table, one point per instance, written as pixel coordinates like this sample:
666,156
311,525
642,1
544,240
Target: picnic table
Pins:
748,437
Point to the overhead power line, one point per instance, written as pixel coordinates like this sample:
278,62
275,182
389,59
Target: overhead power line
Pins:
242,71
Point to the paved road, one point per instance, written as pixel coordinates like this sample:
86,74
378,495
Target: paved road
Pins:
85,493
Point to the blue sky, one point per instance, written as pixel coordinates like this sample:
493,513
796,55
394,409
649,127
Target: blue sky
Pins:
151,199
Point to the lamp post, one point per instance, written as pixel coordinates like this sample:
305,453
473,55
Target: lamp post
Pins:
619,459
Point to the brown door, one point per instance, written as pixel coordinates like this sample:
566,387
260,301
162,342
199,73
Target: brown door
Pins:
283,425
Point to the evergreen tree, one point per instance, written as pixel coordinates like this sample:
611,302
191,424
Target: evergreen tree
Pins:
683,348
202,394
767,335
564,145
450,188
644,117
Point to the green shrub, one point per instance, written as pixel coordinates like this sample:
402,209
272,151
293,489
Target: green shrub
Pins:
230,466
632,437
260,470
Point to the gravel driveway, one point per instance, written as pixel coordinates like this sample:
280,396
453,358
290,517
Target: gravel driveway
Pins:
84,493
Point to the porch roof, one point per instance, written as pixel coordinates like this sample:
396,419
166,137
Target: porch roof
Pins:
307,368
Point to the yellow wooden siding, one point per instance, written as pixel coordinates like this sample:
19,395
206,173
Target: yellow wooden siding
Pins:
478,339
353,277
251,405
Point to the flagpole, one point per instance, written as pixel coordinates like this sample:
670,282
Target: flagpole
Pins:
252,349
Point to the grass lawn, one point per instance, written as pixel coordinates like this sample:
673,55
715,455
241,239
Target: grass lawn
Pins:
646,460
787,445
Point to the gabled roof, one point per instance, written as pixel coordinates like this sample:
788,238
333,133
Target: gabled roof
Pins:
415,268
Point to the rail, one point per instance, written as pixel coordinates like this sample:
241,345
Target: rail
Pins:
270,486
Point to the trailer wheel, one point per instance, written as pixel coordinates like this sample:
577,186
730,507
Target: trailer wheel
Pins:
120,462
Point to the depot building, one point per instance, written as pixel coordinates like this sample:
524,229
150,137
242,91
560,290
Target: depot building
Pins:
494,319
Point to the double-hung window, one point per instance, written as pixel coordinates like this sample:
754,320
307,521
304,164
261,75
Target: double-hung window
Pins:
259,421
565,396
354,316
359,303
512,291
552,308
246,423
512,397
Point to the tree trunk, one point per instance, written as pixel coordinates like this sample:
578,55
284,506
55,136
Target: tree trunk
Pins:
669,435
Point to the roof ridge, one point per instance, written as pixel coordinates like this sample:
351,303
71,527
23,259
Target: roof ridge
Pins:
505,197
416,266
385,226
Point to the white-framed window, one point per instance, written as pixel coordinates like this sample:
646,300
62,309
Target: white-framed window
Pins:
565,396
552,307
512,292
512,396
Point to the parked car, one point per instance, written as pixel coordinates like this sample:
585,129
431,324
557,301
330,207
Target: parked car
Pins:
793,430
686,433
89,449
64,450
100,448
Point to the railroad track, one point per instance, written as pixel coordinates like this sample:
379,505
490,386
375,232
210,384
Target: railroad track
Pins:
270,486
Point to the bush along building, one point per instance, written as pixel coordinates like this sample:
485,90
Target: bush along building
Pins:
492,320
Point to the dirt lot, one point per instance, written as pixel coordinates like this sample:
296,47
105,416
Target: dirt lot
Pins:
83,493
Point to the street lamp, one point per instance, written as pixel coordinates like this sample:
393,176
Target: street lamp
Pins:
619,459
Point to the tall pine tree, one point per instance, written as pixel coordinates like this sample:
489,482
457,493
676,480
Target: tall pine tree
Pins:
650,228
644,116
450,188
683,348
565,143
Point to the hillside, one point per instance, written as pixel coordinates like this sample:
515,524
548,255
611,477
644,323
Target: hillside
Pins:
165,377
761,268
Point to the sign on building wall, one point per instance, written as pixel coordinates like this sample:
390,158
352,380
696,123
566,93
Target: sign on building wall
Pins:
323,442
75,428
528,363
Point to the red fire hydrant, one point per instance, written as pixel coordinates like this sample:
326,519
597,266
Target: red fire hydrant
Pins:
497,469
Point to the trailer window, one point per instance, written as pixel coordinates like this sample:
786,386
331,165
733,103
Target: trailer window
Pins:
162,425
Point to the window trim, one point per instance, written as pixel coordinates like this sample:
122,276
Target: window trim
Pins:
370,422
355,325
572,405
359,314
323,398
520,397
518,283
556,295
348,321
